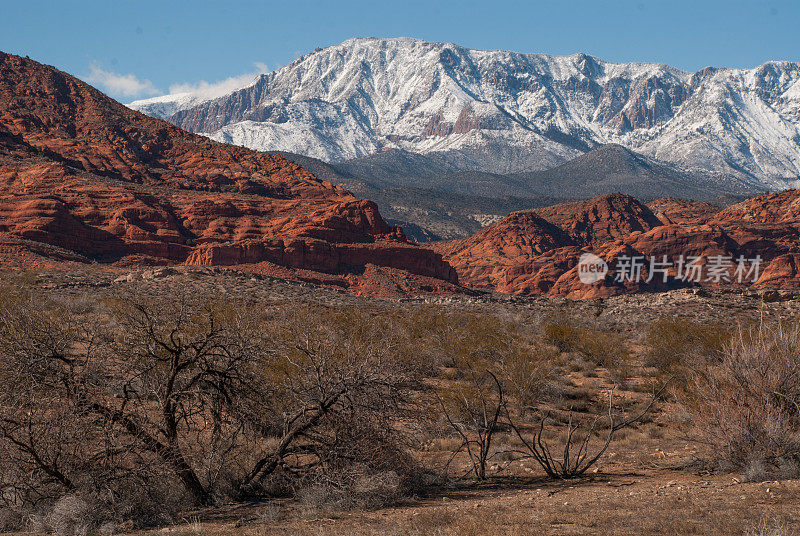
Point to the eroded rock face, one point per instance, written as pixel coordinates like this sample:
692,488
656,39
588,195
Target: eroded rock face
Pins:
776,207
498,255
603,218
81,172
671,210
538,251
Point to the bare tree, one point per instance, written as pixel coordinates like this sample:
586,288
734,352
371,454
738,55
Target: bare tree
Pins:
149,386
178,371
473,408
575,456
330,368
209,393
39,423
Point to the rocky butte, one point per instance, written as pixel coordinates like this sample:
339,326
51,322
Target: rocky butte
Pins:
537,251
85,179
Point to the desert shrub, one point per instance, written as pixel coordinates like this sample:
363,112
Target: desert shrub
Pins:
755,471
676,342
561,332
747,406
339,383
128,404
472,409
71,515
577,399
151,407
359,487
568,441
567,445
608,350
602,348
434,331
769,527
270,513
527,372
360,443
13,519
491,360
500,374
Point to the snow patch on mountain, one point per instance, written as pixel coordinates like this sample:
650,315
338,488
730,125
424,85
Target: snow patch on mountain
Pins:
185,96
503,112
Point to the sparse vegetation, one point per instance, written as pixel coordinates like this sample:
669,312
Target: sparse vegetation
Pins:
130,411
576,452
191,403
678,344
600,347
747,407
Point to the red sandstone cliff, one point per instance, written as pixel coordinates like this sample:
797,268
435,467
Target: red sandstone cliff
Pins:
537,251
84,173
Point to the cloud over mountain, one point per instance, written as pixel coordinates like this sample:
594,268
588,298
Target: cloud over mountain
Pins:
212,90
124,85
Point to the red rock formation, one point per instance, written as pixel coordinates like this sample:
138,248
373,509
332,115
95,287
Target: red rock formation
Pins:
82,172
670,210
537,252
777,207
781,272
602,218
569,285
499,255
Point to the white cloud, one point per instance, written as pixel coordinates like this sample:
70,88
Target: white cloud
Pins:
211,90
125,85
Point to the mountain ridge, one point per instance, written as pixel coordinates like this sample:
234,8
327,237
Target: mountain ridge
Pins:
505,112
432,201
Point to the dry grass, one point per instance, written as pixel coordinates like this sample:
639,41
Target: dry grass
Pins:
661,504
630,490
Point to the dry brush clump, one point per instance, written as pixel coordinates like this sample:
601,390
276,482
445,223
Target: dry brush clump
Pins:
602,348
143,408
504,381
675,345
492,361
584,441
357,487
148,407
746,406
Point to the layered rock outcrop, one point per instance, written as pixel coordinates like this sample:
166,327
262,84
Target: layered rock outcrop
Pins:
678,211
538,251
82,172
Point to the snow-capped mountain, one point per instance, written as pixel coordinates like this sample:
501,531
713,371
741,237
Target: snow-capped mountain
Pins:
504,112
167,105
187,96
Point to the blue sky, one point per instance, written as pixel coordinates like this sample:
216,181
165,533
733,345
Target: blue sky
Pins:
139,49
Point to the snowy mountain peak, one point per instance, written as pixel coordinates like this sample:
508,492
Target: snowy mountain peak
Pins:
504,112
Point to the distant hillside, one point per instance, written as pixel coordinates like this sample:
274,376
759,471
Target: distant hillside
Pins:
433,201
613,168
426,214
